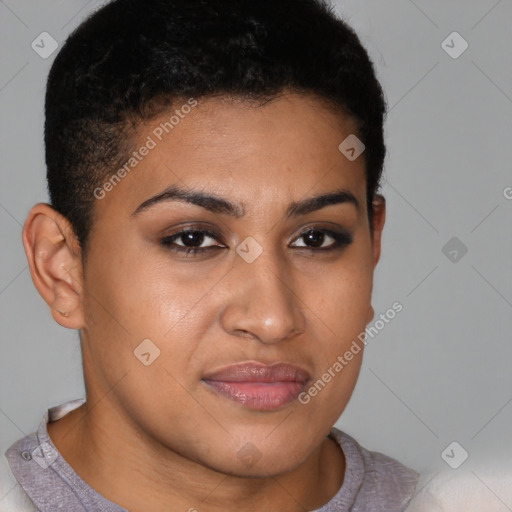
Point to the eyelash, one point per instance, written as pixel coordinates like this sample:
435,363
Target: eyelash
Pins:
341,239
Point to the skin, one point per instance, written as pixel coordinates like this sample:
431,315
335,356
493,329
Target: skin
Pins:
157,434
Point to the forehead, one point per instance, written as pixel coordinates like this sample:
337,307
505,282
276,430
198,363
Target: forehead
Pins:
252,153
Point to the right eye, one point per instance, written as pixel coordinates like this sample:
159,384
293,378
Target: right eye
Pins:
191,241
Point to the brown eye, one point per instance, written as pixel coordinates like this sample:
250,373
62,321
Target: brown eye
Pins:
316,238
192,238
190,241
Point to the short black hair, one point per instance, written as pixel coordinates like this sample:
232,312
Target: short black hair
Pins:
131,55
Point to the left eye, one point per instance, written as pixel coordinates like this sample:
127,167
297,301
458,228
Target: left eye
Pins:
317,237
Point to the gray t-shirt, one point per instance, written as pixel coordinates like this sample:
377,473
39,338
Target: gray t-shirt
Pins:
373,482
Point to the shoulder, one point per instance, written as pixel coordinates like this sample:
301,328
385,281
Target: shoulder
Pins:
385,483
24,482
13,497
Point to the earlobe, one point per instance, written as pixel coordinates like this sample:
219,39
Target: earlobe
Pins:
378,219
54,259
371,314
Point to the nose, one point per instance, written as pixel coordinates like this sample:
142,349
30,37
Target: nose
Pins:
263,303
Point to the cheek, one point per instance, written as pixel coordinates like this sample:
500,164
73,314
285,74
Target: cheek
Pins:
146,296
138,309
341,297
137,298
341,317
342,301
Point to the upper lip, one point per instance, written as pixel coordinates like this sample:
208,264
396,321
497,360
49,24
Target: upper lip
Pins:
258,372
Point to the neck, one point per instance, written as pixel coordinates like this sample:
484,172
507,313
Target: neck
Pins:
132,469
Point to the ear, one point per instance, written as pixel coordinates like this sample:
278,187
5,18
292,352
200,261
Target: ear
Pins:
55,261
378,219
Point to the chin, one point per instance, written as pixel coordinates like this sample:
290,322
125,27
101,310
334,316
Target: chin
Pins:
250,462
272,467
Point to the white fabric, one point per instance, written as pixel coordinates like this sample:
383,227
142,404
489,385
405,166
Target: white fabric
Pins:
12,497
486,488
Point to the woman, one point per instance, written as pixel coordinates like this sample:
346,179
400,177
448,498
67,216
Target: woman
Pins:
214,226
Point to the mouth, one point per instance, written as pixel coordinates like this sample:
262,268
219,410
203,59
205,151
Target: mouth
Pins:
258,386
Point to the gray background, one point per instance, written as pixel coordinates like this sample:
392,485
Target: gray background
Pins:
441,370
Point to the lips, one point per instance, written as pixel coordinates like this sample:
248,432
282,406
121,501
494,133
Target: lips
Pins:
258,386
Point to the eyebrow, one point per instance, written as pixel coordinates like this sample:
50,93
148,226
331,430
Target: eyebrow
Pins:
218,204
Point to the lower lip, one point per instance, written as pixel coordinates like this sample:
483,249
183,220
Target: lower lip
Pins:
259,396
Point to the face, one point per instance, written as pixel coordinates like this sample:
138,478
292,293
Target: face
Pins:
246,289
